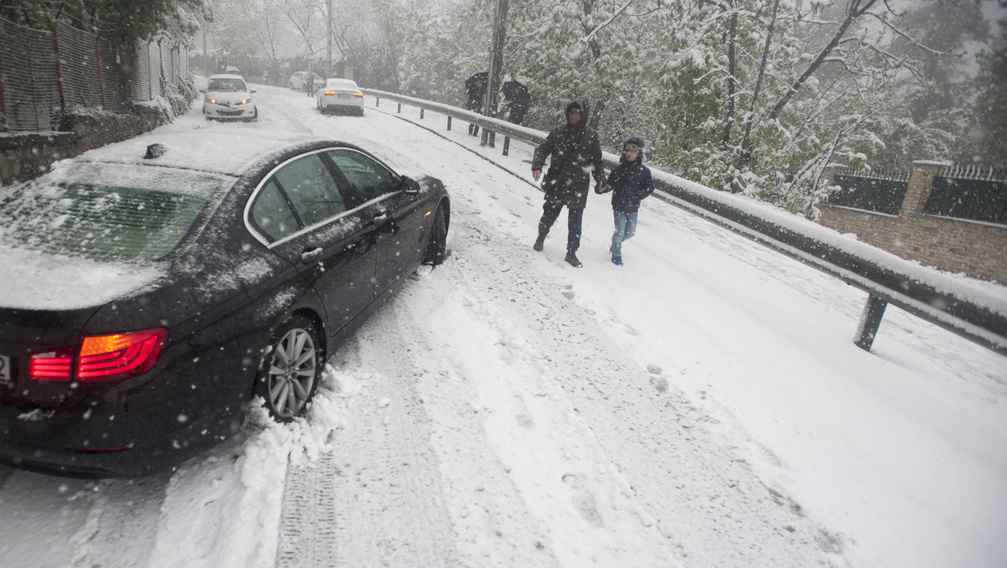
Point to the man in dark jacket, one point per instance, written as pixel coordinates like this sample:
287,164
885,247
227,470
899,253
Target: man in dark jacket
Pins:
475,90
630,183
576,158
517,95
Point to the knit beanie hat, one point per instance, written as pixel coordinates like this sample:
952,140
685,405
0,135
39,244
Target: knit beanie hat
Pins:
633,143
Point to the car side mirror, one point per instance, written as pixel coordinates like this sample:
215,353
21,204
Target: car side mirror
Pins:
410,186
251,91
202,90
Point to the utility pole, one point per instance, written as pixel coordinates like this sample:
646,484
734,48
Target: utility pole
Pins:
328,26
496,68
206,55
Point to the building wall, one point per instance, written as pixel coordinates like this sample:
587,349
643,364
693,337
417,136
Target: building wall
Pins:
976,249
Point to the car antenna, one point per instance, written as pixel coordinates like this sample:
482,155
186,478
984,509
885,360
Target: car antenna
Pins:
155,151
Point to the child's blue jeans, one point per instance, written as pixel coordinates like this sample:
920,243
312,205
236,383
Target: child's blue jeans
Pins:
625,228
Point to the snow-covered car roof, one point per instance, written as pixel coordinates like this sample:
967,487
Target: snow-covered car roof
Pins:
227,153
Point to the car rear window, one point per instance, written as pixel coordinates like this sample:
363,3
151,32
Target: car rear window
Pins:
114,218
341,84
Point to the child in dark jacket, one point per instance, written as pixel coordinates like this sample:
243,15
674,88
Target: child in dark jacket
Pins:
630,183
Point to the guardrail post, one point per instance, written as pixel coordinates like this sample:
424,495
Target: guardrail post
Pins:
870,320
449,122
377,101
506,150
421,114
400,108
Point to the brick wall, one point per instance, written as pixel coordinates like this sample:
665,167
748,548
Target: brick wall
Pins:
976,249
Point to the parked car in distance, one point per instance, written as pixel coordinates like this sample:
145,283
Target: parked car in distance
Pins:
340,95
298,79
227,97
162,282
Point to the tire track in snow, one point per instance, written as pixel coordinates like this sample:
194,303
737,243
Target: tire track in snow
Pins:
375,499
308,522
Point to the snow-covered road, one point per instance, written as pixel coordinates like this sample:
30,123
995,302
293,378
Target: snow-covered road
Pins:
701,406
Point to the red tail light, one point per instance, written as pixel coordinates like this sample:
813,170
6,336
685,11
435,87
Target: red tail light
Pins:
103,358
361,95
120,356
52,365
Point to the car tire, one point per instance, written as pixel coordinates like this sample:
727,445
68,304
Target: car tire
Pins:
360,111
437,247
291,369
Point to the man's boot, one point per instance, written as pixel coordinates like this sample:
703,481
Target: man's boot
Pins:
572,259
539,243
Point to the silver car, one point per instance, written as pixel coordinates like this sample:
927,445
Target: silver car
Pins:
297,80
227,97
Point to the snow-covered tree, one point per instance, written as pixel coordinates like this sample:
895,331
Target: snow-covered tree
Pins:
989,128
120,19
753,96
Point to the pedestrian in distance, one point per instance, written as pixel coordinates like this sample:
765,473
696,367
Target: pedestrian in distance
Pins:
475,90
630,183
575,151
517,95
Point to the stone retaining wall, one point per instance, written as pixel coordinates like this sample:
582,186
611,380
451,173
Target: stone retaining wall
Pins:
25,155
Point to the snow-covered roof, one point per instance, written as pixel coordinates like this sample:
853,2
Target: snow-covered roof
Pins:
224,152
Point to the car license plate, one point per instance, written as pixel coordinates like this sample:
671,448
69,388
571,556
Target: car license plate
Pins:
344,96
5,374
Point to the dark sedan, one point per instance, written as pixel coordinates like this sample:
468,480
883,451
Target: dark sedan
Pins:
161,283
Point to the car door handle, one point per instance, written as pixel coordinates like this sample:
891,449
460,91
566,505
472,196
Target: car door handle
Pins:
310,255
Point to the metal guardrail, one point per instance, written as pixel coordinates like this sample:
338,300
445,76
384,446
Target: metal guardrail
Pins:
970,312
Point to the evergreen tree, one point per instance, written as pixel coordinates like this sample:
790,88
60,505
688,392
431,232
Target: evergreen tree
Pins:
988,132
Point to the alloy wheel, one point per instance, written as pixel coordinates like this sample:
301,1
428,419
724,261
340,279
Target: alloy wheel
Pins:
292,374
